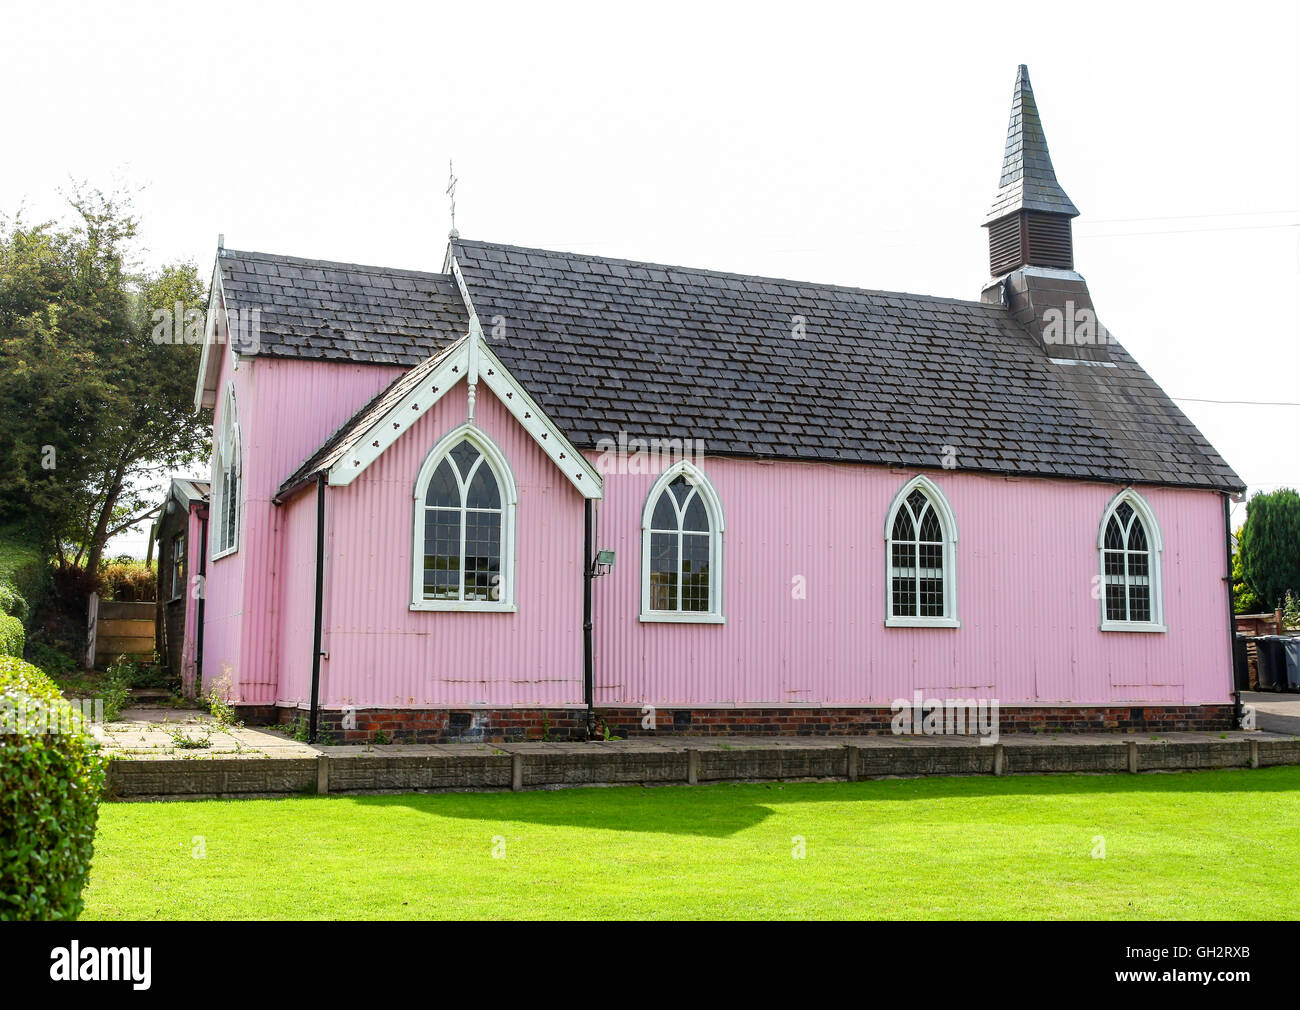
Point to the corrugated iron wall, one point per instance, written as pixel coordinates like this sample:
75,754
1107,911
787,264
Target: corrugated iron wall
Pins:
1026,561
286,410
381,653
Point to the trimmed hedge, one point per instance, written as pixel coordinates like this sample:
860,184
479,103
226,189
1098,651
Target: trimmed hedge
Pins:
11,601
11,636
51,780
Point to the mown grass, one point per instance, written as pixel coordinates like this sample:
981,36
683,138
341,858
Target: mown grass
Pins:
1190,845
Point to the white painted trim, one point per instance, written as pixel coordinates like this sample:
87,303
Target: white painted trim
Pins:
948,519
493,455
680,617
570,462
1155,552
400,418
216,296
922,622
464,607
417,402
225,444
1148,627
716,613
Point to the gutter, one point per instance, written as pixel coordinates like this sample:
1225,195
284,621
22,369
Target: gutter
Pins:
203,599
320,600
588,665
1232,616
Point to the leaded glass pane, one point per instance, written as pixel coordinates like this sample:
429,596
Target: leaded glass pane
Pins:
664,550
1115,602
903,528
1114,535
1139,603
695,572
483,490
464,454
442,554
696,517
482,555
1137,536
443,491
904,597
665,517
931,531
917,501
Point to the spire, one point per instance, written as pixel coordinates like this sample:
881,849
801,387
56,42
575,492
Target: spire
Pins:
1028,180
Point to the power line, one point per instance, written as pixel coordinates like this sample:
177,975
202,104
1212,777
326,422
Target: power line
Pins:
1237,403
1084,233
1192,217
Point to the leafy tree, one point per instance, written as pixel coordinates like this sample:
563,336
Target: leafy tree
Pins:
92,407
1270,546
1243,597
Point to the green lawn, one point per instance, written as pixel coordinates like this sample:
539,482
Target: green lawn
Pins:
1190,845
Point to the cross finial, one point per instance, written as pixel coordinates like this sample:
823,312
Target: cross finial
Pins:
451,194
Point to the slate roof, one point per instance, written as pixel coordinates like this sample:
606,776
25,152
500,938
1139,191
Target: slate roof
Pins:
342,311
607,345
1028,180
877,377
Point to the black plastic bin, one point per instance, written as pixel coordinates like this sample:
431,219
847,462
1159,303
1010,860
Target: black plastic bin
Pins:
1271,665
1240,663
1291,652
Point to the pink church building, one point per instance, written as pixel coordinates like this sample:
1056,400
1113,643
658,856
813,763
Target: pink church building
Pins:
539,494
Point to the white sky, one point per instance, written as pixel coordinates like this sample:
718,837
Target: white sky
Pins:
838,143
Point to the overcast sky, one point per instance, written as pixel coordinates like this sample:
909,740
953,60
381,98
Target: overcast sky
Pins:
841,143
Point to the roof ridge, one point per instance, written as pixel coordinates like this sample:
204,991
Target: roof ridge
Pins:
329,264
730,274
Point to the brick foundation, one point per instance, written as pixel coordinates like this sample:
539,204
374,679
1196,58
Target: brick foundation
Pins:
512,725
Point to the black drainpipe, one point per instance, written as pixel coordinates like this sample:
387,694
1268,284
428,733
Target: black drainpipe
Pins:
203,594
320,601
587,653
1232,611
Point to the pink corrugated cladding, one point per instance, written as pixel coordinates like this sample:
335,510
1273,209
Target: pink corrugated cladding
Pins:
1027,560
286,409
1026,567
381,653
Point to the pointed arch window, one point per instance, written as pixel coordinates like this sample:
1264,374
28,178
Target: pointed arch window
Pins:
1130,546
921,549
681,549
227,467
464,527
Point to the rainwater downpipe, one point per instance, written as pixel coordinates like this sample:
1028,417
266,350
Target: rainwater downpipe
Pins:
588,664
320,601
1232,611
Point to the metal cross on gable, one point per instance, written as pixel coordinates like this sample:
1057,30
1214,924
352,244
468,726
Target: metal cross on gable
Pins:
451,192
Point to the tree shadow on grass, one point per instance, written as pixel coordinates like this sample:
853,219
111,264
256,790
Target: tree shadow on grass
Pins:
723,809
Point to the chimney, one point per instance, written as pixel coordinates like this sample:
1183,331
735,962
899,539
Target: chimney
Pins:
1031,247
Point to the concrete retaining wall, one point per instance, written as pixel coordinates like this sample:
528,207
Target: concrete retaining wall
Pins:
550,765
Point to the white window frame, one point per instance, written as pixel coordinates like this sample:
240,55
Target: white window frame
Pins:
1155,568
496,459
180,539
717,527
948,521
227,449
